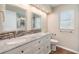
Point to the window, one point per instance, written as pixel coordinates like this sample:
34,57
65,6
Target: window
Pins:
67,20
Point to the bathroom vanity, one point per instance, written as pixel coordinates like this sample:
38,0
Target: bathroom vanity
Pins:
38,43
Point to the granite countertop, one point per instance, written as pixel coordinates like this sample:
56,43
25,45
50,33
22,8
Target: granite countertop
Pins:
8,44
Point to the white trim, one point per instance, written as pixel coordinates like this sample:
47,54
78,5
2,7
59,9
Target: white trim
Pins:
68,49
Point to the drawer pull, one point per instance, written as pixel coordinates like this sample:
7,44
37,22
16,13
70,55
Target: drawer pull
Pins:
39,41
22,51
39,48
47,46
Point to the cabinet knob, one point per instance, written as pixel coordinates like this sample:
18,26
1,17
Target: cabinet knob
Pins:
39,48
47,46
22,51
39,41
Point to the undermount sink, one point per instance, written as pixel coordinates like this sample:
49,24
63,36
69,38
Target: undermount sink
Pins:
15,42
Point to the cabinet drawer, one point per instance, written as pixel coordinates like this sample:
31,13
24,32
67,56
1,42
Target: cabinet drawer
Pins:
37,49
14,51
31,48
27,50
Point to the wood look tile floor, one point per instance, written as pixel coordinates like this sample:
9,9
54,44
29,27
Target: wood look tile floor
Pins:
61,51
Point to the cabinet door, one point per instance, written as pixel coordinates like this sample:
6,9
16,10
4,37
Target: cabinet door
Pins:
26,49
31,47
46,44
47,48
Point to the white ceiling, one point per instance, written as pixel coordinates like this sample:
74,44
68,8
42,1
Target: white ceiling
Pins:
48,8
51,5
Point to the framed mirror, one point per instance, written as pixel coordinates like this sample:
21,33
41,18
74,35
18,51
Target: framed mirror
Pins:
21,21
15,18
36,21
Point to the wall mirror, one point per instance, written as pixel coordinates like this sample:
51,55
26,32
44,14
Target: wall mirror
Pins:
36,21
15,18
21,20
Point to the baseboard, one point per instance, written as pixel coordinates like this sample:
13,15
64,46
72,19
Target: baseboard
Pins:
68,49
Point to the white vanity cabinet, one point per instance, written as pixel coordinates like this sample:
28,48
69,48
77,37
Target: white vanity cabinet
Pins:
37,46
14,51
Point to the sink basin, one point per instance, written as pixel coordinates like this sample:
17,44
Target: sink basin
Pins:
15,42
30,37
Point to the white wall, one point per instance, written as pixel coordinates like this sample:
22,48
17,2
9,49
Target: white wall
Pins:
66,39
